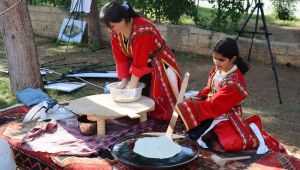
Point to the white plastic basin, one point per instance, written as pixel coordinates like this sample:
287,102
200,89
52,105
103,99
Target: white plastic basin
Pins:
125,95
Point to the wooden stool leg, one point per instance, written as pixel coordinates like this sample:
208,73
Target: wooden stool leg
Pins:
143,117
101,127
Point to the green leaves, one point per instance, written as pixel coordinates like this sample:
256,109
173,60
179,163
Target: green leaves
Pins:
284,9
167,10
228,13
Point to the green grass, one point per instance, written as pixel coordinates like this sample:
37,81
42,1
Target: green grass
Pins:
6,97
294,23
205,12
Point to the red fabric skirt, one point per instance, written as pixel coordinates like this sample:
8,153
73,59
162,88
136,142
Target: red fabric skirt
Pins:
161,89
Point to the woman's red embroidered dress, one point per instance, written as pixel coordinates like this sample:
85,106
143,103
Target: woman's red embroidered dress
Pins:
146,45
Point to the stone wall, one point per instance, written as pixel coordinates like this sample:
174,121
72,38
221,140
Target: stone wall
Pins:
47,21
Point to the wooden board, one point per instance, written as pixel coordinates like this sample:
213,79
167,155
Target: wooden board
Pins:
102,105
180,97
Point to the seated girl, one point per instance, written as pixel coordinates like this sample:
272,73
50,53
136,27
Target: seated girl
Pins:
219,105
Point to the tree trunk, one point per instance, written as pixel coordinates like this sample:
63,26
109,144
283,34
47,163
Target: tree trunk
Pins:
21,53
94,25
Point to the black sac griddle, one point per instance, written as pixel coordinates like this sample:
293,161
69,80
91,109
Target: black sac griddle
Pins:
122,151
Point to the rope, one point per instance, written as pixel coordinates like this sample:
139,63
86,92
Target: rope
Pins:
10,7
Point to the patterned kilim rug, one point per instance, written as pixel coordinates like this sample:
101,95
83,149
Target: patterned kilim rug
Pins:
26,158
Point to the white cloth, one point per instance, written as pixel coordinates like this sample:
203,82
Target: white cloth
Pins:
45,110
173,80
7,161
213,124
190,93
220,75
262,148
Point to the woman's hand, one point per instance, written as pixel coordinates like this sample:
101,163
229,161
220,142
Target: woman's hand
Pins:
133,82
122,84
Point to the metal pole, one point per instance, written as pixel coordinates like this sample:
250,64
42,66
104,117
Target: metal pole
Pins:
259,6
270,51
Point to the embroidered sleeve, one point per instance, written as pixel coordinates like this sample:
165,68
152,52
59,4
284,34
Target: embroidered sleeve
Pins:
122,62
193,113
142,47
236,85
225,99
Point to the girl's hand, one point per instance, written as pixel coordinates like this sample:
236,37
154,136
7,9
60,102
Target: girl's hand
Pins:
194,98
122,84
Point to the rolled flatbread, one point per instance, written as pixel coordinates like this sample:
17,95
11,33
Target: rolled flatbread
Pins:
156,147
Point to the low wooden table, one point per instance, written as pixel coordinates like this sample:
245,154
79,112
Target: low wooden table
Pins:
101,107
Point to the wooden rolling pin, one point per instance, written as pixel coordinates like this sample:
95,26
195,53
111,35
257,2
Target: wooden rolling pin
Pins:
222,161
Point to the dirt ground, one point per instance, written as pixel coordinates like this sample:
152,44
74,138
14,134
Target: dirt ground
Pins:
280,120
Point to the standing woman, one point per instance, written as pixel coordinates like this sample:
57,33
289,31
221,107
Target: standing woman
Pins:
141,55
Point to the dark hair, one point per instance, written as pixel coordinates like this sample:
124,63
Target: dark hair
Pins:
229,48
115,11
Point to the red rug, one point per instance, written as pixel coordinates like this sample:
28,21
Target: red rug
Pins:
27,159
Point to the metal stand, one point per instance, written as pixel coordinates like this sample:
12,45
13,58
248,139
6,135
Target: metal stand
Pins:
76,11
74,14
259,8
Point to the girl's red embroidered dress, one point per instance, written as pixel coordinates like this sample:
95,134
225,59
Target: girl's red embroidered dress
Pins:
222,102
145,52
